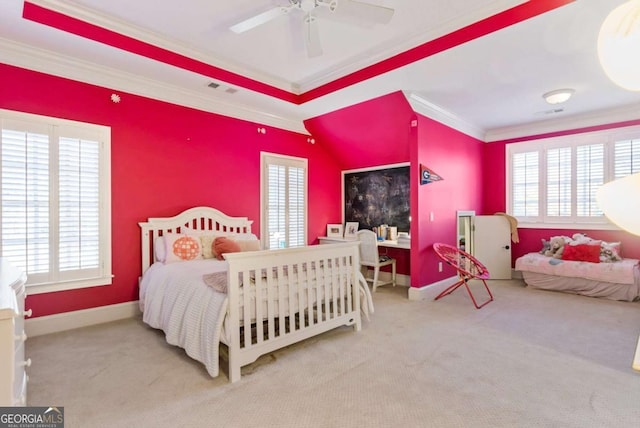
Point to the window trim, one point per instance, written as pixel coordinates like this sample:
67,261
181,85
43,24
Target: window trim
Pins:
607,137
104,137
291,161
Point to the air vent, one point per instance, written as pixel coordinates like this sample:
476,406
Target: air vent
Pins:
219,87
549,112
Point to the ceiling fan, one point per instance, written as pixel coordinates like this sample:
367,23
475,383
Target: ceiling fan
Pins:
353,11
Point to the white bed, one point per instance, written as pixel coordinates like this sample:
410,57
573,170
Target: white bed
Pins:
273,298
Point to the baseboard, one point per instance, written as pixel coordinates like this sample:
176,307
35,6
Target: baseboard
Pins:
430,291
401,279
82,318
636,359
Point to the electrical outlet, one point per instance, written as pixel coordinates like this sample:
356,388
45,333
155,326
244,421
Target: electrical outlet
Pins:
439,266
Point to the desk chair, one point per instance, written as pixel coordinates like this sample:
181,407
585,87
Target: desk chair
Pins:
369,257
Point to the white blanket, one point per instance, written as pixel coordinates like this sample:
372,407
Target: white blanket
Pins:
173,298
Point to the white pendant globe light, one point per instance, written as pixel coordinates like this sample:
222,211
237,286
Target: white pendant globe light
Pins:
619,201
619,45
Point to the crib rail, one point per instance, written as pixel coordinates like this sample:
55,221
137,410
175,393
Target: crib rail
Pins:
280,297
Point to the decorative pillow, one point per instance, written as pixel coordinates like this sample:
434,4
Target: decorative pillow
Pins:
610,252
160,249
582,253
222,245
208,251
180,248
249,245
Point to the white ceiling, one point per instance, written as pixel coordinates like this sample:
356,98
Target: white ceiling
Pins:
490,87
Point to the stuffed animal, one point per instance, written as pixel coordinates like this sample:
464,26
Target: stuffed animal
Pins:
546,246
581,238
556,246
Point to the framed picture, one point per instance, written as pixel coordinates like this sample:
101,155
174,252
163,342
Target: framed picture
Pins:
334,231
351,230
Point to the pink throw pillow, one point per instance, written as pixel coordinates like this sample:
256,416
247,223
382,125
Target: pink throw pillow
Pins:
223,244
582,253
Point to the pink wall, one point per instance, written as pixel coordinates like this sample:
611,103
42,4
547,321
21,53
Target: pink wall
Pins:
379,132
166,158
494,180
458,159
372,133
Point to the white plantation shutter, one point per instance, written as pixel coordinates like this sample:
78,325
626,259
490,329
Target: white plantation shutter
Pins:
589,178
79,204
572,168
525,184
55,193
284,201
25,200
559,182
626,158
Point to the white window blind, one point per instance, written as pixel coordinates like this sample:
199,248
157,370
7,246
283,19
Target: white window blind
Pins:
574,167
525,184
589,178
559,182
626,157
55,201
284,201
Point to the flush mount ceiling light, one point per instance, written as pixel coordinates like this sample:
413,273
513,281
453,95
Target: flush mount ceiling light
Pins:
619,45
558,96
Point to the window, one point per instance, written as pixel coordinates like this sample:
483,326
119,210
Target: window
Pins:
55,201
553,182
284,201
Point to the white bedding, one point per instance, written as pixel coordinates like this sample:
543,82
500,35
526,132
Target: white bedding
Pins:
174,298
621,272
616,280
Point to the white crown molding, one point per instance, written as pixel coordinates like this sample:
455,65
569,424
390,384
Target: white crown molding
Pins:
620,114
420,105
126,28
31,58
402,44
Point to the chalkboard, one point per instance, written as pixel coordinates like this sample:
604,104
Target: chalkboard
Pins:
377,196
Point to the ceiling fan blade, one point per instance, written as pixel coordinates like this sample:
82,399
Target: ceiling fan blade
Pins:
260,19
359,13
312,36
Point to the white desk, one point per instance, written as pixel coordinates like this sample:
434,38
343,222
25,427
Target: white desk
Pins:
386,243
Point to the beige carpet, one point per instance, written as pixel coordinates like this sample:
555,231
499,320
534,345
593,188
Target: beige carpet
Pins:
529,359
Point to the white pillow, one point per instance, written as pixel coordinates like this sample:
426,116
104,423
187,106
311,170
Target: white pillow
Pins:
159,249
180,247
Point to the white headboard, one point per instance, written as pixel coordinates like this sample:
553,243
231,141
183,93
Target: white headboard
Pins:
198,218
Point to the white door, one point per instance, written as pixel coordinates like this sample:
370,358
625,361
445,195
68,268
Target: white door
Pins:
492,244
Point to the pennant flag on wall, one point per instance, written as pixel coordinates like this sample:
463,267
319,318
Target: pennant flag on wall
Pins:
427,175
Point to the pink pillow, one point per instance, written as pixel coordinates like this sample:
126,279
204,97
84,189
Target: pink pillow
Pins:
582,253
223,244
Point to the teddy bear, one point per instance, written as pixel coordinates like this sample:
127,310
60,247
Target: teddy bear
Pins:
556,247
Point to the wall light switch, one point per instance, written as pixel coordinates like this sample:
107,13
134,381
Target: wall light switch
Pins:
431,216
